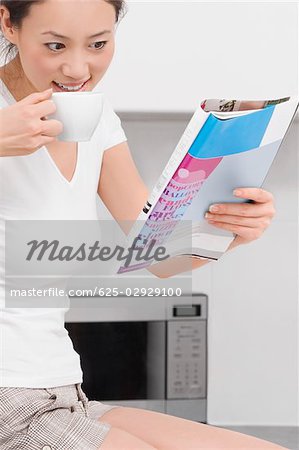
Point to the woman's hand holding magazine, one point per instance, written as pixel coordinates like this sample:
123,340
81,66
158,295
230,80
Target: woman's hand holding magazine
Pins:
228,146
247,220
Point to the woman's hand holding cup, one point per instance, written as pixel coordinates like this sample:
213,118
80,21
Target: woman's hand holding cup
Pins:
23,128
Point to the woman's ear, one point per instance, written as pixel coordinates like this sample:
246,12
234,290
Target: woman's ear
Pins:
10,33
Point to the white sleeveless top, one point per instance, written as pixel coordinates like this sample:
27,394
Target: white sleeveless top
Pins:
36,350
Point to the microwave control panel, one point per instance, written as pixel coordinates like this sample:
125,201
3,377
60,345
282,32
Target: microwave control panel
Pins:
186,359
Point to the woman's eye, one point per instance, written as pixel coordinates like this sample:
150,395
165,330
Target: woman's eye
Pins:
53,43
100,44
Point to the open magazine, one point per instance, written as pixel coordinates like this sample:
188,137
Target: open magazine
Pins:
227,144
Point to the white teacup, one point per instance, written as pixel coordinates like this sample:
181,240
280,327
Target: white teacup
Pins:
79,113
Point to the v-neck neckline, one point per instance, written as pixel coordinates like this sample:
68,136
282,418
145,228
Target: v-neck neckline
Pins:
56,168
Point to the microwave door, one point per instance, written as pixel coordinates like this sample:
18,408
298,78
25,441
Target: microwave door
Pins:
121,360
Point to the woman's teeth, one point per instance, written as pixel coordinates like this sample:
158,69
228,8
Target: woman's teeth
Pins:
69,88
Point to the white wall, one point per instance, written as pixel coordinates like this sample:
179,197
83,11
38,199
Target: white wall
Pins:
172,54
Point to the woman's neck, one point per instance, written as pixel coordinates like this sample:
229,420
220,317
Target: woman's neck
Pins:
13,77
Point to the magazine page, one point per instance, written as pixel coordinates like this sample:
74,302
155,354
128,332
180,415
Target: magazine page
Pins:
223,105
223,155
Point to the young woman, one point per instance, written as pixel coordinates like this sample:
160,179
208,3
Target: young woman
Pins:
63,45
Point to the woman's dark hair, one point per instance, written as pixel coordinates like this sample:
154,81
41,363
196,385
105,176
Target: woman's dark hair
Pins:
19,9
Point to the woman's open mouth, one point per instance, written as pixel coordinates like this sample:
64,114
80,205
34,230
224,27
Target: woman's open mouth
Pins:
60,87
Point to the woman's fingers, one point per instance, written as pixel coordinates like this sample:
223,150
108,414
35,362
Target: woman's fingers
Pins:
243,209
262,205
250,222
43,109
36,97
247,220
256,194
51,127
247,234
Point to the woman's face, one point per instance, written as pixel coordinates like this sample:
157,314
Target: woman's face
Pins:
81,54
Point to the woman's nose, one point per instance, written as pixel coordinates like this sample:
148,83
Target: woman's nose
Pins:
76,67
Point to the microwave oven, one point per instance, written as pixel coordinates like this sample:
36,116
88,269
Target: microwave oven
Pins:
144,352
